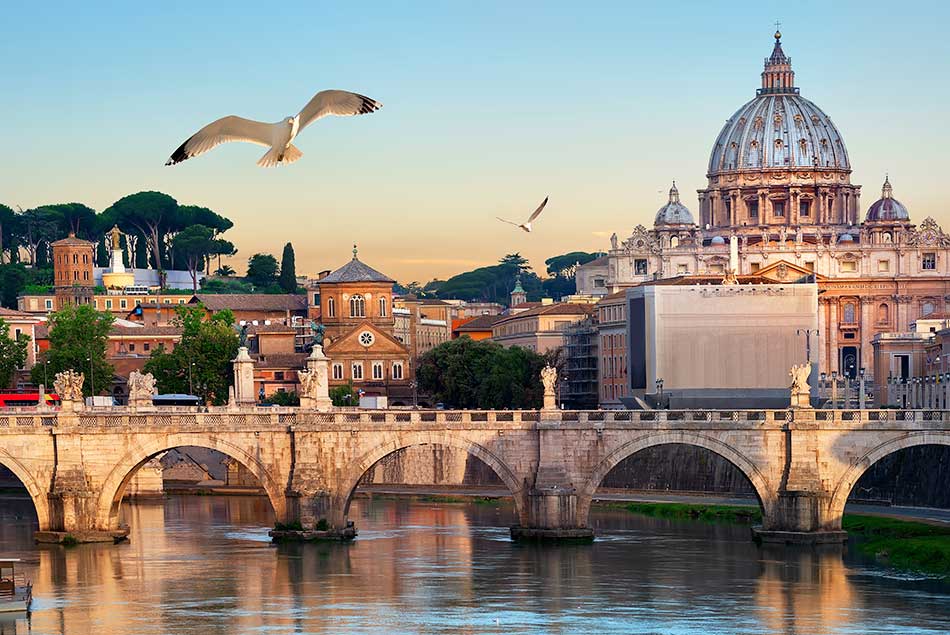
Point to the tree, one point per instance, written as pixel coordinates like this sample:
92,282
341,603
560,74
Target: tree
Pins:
283,399
565,265
288,270
226,271
344,395
481,374
12,354
262,270
491,284
201,363
77,219
147,213
192,246
36,228
7,232
13,279
78,336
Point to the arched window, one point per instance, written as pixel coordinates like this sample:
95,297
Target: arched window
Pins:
848,314
675,242
357,306
927,308
331,307
382,307
883,314
75,259
886,237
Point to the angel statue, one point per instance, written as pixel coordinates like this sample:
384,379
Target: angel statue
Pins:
548,378
800,374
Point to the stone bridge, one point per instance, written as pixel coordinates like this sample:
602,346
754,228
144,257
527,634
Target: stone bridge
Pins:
802,463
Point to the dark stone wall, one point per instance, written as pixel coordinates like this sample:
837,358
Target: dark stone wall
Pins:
915,476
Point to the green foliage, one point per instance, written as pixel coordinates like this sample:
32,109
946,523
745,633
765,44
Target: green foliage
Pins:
225,271
262,270
344,395
12,354
733,514
231,285
192,245
150,214
288,270
322,525
283,399
565,265
201,363
902,544
77,341
492,284
13,279
463,373
291,526
76,218
69,540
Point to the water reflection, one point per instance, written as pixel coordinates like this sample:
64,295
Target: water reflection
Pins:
204,565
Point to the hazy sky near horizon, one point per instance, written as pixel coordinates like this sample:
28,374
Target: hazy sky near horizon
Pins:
488,107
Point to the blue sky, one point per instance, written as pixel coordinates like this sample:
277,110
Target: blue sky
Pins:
488,107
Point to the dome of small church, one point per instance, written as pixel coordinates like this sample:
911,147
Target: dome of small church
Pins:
887,208
674,212
717,240
778,128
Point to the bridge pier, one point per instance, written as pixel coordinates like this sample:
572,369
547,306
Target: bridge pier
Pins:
552,515
800,517
320,516
73,516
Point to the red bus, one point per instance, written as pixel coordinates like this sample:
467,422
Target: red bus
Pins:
26,398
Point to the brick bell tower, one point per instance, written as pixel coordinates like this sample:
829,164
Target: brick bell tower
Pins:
73,281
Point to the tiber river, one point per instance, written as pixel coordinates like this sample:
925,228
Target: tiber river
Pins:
204,565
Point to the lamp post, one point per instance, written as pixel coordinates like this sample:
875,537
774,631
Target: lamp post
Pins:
861,388
834,389
822,385
191,385
807,333
92,377
659,393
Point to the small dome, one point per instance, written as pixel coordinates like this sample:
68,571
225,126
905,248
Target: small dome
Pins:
887,208
846,238
717,240
674,212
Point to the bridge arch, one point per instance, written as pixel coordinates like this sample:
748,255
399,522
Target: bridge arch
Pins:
148,446
404,440
763,490
38,494
851,476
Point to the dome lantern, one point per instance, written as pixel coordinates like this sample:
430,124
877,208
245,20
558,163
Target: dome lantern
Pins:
887,208
674,212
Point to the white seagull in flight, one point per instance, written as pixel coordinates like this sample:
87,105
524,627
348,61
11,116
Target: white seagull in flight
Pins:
276,136
527,224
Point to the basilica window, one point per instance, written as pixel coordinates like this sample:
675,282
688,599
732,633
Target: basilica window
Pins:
357,369
804,208
338,371
755,266
382,307
848,266
357,306
929,261
674,241
778,208
752,206
883,314
886,237
848,314
717,268
640,266
926,308
397,370
682,270
331,307
883,265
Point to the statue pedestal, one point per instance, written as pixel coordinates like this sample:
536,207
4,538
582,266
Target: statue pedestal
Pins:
244,378
318,395
801,400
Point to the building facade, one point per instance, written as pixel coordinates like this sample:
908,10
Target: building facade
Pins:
779,180
73,260
612,382
540,329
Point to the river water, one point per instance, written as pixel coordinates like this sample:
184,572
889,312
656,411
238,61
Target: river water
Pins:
204,565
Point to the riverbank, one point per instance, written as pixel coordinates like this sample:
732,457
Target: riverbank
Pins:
906,545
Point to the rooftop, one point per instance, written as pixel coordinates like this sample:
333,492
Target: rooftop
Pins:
480,323
252,301
551,309
355,271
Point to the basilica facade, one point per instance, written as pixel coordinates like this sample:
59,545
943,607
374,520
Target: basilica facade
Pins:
779,180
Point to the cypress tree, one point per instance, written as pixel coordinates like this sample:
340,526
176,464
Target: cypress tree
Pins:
288,270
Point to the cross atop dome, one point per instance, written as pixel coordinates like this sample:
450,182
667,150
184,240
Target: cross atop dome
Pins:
778,76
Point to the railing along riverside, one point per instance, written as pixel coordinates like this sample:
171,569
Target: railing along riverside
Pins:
256,417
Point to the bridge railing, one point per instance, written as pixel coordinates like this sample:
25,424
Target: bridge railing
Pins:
259,417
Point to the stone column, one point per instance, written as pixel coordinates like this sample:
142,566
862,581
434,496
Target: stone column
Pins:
315,382
244,378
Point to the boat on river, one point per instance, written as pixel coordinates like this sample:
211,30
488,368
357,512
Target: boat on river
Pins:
16,592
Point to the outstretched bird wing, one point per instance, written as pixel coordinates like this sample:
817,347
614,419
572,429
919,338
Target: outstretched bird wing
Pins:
336,102
508,221
225,129
537,212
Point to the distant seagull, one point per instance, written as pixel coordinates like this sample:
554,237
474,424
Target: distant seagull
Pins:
527,224
276,136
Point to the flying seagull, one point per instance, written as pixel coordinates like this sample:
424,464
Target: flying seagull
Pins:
276,136
527,224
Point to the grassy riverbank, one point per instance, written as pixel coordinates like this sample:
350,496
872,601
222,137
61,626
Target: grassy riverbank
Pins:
902,544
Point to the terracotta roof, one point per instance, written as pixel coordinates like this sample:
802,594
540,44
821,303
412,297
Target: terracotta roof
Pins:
14,314
615,296
480,323
561,308
281,360
355,271
72,240
253,301
527,305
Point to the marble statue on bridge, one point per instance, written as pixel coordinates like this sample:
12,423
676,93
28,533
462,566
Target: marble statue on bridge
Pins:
549,380
800,389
